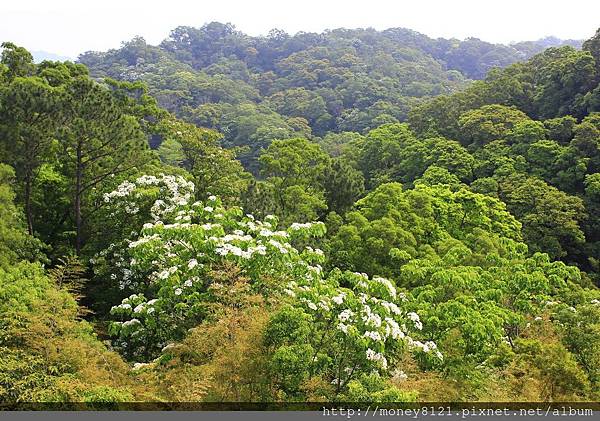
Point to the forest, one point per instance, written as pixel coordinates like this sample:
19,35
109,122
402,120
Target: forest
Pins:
350,216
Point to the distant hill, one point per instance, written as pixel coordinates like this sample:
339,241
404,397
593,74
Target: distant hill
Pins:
255,89
39,56
530,48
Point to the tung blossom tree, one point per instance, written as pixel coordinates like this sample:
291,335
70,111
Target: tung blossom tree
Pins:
340,324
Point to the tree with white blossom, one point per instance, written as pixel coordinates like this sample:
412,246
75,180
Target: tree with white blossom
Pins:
172,257
356,324
342,327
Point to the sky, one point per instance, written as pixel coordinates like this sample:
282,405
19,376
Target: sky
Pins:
70,27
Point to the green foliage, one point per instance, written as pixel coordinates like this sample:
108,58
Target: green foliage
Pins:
392,226
215,170
581,336
343,185
461,256
551,218
15,244
47,354
491,122
393,153
258,89
171,152
473,212
295,161
559,373
371,388
534,139
18,61
294,171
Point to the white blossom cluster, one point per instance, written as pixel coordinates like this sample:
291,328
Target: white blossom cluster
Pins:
297,226
135,304
426,347
385,282
176,249
175,191
399,375
377,357
377,321
415,318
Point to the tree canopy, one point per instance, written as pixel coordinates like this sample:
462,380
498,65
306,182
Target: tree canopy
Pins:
335,217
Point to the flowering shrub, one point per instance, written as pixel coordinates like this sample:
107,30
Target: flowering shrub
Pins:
173,190
129,206
169,264
337,327
342,327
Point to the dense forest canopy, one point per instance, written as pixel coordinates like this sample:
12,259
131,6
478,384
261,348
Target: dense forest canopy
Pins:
345,216
256,89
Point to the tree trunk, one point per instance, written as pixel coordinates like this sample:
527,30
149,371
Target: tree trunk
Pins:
77,204
28,213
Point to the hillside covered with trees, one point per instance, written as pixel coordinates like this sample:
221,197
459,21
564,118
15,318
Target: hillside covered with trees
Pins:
257,89
345,216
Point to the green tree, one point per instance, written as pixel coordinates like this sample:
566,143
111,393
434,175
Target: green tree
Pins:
551,218
390,227
296,169
488,123
18,61
30,116
15,244
215,170
100,142
343,185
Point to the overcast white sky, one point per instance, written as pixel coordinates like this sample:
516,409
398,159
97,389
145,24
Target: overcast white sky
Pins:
70,27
